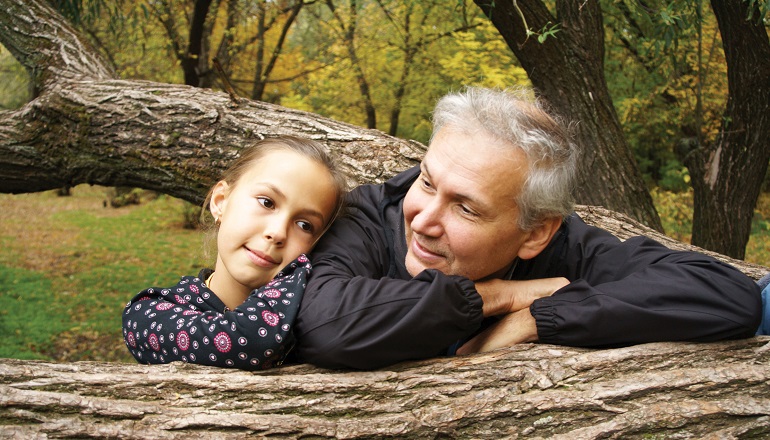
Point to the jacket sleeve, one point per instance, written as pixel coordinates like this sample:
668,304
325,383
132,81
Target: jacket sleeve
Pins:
624,293
188,323
354,315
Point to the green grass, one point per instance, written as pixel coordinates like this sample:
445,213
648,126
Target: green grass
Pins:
68,265
88,262
26,319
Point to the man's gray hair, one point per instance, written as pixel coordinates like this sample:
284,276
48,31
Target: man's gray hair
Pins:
516,118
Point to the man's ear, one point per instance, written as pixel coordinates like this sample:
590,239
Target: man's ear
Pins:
539,238
218,200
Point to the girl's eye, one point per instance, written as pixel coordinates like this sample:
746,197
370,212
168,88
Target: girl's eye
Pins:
426,184
266,202
306,226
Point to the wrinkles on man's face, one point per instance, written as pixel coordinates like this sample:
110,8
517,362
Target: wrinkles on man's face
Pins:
460,214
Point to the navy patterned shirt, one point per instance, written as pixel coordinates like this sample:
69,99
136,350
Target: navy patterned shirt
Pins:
189,323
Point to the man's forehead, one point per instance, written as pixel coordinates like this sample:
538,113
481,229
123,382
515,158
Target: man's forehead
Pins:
488,184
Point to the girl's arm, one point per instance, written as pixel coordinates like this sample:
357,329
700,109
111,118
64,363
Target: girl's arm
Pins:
188,323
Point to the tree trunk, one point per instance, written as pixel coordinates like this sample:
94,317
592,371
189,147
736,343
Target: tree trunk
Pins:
662,390
727,175
195,60
347,28
568,71
86,127
265,70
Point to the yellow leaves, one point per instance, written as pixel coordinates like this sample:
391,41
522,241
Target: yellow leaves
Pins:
482,58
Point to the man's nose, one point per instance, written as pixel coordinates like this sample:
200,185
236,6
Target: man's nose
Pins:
428,220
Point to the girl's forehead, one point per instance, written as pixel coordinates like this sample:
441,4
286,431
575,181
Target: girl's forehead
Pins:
293,176
284,163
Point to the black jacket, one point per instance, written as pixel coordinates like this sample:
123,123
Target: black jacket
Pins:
362,309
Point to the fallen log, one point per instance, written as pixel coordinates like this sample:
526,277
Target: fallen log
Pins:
661,390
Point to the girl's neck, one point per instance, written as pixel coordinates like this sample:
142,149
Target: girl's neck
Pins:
231,295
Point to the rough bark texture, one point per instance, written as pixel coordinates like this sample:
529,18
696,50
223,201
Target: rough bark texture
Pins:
568,71
170,138
87,126
661,390
727,174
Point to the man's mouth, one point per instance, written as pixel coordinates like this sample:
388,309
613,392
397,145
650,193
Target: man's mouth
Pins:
423,252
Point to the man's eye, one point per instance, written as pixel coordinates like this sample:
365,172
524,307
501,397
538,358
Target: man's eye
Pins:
266,202
426,184
306,226
467,211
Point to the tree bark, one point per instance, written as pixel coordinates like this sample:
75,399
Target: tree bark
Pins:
727,175
195,59
662,390
568,71
87,127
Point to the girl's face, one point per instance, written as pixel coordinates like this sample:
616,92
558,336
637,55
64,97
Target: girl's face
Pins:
272,214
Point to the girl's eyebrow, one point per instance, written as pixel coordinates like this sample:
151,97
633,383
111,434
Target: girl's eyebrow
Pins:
308,212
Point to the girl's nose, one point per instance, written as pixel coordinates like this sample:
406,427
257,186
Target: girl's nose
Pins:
276,232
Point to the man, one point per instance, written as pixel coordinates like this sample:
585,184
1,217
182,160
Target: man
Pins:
484,228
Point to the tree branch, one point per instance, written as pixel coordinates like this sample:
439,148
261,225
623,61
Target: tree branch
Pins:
716,390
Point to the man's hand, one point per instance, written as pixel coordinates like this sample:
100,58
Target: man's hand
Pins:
502,297
513,329
513,299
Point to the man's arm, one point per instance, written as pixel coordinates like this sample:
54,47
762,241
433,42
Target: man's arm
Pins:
510,299
356,313
657,295
631,292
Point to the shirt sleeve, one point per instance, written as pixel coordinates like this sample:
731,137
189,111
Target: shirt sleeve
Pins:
189,323
356,314
636,291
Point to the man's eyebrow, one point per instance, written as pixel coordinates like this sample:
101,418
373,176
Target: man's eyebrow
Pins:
475,201
424,168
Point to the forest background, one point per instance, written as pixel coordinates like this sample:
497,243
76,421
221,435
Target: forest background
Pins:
378,64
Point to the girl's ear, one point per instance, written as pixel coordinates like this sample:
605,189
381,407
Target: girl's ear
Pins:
539,238
219,199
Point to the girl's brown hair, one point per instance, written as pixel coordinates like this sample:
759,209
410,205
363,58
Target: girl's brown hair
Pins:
306,147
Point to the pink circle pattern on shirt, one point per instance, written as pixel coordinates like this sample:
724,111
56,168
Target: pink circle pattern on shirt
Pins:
187,323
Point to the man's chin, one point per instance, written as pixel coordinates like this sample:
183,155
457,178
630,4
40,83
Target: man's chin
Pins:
415,266
412,266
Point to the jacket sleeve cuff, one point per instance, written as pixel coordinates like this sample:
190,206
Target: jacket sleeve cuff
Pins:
475,304
545,320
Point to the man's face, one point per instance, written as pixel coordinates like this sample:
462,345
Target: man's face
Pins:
460,214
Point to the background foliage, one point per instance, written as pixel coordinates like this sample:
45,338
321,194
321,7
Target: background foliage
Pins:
664,61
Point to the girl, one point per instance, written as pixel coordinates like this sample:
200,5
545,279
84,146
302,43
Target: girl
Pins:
270,208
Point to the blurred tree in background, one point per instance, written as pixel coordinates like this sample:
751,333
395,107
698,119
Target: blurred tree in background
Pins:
382,64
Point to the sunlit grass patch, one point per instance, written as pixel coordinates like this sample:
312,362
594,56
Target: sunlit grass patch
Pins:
87,260
30,314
